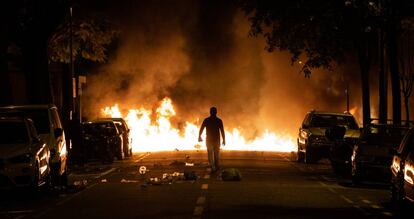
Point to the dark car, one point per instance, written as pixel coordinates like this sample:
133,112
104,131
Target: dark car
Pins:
24,157
124,129
312,141
102,140
402,171
372,155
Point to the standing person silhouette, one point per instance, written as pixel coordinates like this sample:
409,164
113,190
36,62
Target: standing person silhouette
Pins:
214,127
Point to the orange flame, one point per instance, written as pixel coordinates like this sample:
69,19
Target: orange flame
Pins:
160,135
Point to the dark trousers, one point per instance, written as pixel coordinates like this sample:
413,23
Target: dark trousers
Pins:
213,150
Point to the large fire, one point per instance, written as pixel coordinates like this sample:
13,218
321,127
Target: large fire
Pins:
159,135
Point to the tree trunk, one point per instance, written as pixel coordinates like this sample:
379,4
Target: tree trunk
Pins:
407,110
5,84
364,64
383,83
393,61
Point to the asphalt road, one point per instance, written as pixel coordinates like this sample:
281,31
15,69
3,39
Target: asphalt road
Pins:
272,186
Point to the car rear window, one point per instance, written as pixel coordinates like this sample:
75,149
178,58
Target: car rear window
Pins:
13,132
325,121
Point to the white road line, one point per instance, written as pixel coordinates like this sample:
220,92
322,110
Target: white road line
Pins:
198,211
140,158
386,213
204,186
201,200
347,199
360,209
105,173
17,212
207,176
366,201
376,206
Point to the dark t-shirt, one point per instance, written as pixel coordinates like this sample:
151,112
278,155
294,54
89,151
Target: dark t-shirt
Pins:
213,126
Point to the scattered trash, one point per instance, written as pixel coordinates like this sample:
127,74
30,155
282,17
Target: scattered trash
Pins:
197,146
187,156
176,149
231,174
142,170
189,164
104,180
128,181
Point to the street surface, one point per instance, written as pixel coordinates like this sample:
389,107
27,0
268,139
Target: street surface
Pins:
273,186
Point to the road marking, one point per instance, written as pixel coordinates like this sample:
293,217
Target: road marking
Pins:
201,200
105,173
207,176
376,206
204,186
386,213
140,158
362,210
366,201
347,199
17,212
21,216
198,211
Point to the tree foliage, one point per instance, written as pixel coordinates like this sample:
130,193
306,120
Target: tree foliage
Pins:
90,40
320,32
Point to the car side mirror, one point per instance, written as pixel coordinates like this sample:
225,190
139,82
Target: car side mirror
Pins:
58,132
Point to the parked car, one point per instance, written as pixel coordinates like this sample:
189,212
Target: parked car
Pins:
312,141
47,122
124,129
102,140
24,157
402,171
372,156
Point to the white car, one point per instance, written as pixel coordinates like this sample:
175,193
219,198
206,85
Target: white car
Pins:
24,157
47,122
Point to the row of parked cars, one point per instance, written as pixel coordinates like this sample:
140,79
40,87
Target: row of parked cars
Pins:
33,150
106,139
376,152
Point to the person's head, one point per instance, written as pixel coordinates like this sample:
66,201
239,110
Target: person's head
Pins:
213,111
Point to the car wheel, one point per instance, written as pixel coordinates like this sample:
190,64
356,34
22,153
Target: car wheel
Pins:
36,179
300,156
309,157
355,174
397,197
121,154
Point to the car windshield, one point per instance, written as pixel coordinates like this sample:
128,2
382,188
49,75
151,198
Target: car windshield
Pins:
325,121
13,132
99,128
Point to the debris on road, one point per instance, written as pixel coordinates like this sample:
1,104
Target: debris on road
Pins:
142,170
104,180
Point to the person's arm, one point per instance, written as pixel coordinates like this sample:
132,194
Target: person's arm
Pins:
222,133
201,130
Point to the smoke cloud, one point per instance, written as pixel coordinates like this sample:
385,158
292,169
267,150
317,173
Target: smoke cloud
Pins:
199,54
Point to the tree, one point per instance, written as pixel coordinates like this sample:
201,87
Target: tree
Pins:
406,63
90,40
320,32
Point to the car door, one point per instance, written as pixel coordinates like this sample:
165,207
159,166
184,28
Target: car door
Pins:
409,175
